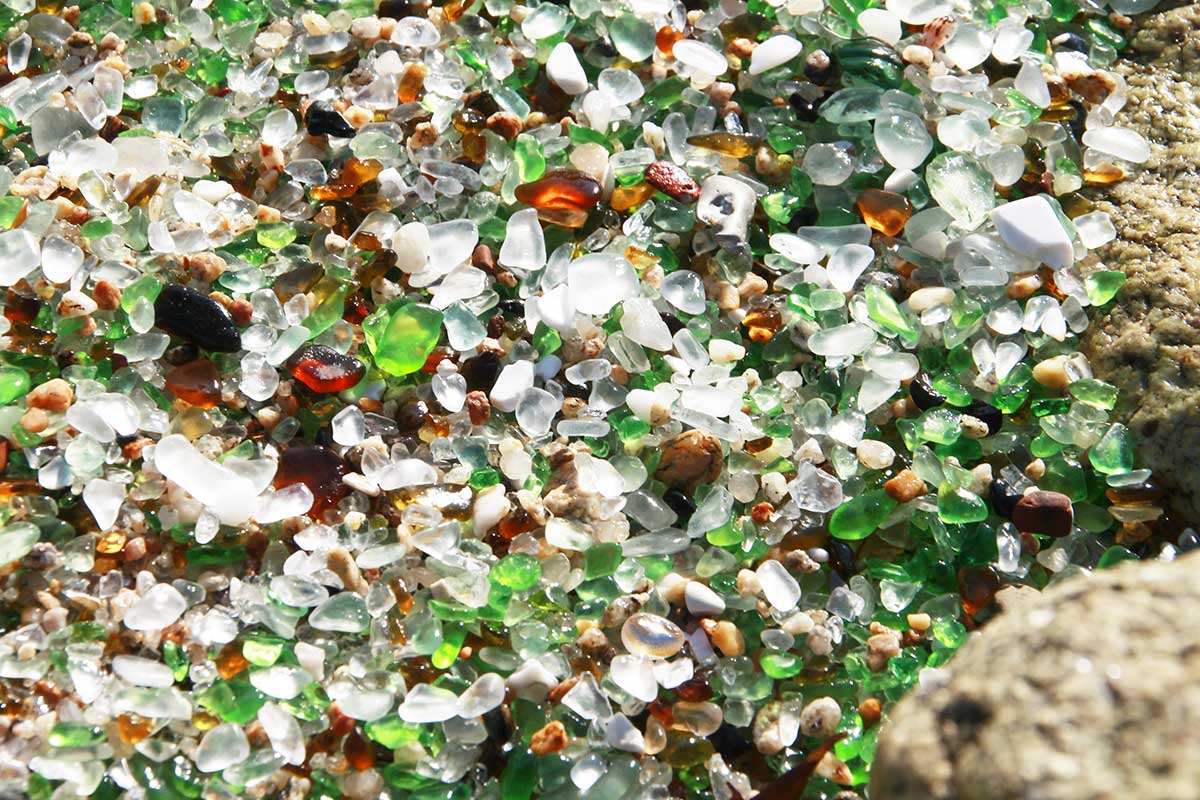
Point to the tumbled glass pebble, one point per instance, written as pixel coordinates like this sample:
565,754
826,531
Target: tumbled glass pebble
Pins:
402,336
651,635
565,189
325,370
182,311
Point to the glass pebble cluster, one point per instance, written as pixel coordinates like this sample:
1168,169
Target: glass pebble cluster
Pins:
604,398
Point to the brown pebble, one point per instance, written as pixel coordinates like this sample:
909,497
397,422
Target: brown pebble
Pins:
549,739
504,123
483,259
871,711
135,549
54,395
107,295
761,513
242,312
672,180
689,459
478,407
906,486
1044,512
881,648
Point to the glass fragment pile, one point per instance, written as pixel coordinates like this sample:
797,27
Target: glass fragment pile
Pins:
613,399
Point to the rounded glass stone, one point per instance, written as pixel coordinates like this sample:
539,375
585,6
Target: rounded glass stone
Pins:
651,635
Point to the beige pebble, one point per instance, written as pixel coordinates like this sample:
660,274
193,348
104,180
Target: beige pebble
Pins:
919,622
873,454
1023,286
54,395
1052,373
35,420
728,639
930,297
820,717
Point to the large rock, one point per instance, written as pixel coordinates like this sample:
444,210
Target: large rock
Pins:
1090,691
1148,344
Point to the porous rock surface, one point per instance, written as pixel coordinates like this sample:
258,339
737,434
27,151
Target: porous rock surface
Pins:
1148,342
1090,691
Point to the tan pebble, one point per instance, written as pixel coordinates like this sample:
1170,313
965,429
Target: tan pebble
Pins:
728,298
341,563
205,267
478,407
143,14
688,459
834,769
917,55
423,135
549,739
55,395
820,718
107,295
35,420
505,124
1052,373
135,549
1035,470
874,454
973,427
726,637
930,297
1023,286
747,583
242,312
881,648
751,286
871,711
798,624
358,116
906,486
919,622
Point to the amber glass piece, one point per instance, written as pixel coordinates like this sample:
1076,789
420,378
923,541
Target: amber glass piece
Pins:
665,40
886,212
359,752
110,543
734,145
517,522
474,148
566,189
1139,493
196,382
673,180
454,9
350,178
325,370
317,468
563,217
143,191
977,586
412,83
641,260
21,309
231,662
684,750
469,120
694,690
1103,174
625,198
762,323
133,729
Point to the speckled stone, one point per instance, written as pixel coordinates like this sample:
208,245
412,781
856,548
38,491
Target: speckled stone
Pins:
1108,707
1148,341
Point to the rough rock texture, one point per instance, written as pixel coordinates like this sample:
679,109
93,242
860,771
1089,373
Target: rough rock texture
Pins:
1148,344
1108,707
